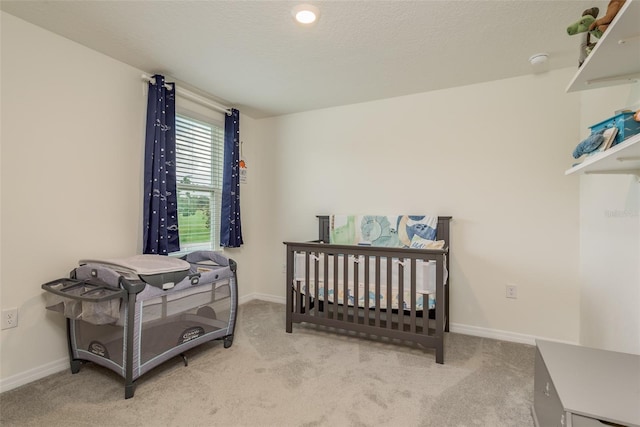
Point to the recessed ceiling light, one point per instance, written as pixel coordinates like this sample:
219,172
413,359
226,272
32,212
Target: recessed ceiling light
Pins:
305,14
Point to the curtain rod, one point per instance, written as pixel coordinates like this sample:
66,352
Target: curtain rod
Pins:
192,96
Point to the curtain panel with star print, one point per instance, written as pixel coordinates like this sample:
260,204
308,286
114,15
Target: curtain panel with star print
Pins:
230,224
160,211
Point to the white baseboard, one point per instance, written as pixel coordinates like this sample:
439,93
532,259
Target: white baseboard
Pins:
457,328
56,366
59,365
34,374
495,334
263,297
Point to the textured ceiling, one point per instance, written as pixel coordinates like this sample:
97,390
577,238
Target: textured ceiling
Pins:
251,54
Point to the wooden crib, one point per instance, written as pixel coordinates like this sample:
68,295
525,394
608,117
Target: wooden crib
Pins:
397,293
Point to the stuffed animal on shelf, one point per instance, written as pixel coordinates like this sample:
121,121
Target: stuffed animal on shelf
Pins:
590,144
583,24
582,27
601,24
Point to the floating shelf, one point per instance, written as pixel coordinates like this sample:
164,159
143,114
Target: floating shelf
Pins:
616,57
623,158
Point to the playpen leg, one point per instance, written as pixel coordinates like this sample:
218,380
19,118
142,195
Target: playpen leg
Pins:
75,366
228,341
129,389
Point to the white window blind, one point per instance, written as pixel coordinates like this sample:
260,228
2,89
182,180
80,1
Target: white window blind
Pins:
199,157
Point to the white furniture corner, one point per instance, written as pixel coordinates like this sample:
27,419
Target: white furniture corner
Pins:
614,60
579,386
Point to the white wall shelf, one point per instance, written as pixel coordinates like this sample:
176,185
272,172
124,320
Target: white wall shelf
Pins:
623,158
616,57
614,60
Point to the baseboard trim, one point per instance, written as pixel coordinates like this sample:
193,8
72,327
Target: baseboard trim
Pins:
495,334
34,374
265,297
457,328
56,366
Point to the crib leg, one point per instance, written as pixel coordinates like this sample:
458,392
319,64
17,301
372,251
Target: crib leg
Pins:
289,322
446,309
440,352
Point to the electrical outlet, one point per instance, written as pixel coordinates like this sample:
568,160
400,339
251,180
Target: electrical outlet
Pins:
512,291
9,318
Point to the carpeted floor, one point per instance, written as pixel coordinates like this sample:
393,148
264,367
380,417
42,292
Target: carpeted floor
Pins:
312,377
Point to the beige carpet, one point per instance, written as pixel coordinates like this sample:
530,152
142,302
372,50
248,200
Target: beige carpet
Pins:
312,377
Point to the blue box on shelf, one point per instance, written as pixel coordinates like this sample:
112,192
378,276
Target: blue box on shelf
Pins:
625,123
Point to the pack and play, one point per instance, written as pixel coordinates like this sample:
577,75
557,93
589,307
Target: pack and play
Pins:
132,314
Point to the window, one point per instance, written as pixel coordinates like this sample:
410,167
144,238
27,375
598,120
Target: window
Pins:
199,157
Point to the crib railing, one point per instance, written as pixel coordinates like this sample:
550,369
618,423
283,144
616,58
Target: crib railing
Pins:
370,290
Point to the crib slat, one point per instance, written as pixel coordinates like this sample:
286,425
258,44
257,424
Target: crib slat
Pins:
356,287
335,285
307,297
316,282
389,313
400,294
366,289
377,298
345,287
299,297
412,326
325,281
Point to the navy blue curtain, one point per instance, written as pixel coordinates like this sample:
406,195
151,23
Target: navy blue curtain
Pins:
160,196
230,225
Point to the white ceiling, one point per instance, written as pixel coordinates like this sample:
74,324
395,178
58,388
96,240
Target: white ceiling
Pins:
252,55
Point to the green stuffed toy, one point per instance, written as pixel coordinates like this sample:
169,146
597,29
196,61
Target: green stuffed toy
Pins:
582,25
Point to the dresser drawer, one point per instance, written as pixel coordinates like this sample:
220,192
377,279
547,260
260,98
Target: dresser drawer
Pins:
547,407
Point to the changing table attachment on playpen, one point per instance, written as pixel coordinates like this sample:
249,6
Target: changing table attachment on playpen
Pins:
132,314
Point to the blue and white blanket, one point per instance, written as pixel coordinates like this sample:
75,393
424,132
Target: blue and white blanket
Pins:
396,231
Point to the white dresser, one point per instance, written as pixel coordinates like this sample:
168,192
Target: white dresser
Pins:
578,386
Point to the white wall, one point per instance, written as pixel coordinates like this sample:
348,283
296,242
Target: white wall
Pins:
609,239
71,131
71,175
491,155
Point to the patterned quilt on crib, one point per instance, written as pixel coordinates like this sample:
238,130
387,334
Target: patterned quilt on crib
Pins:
397,231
